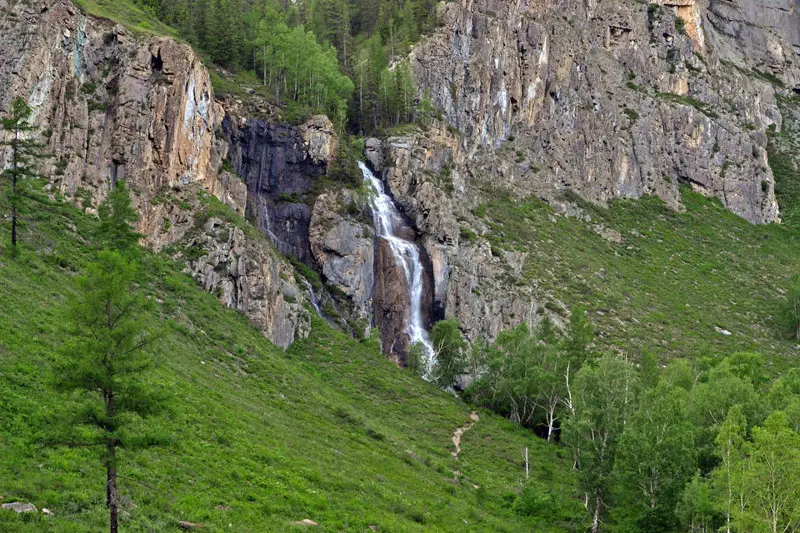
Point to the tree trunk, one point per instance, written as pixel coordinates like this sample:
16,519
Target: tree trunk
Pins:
111,487
596,515
14,214
15,166
112,499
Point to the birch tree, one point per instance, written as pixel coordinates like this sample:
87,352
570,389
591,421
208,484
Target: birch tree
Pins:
655,460
604,398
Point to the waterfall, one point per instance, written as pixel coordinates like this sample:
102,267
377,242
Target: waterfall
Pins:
312,296
406,254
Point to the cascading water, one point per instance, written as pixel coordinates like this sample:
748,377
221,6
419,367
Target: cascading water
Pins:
406,254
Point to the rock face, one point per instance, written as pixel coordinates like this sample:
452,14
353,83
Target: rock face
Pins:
244,275
280,165
422,173
611,100
113,107
341,241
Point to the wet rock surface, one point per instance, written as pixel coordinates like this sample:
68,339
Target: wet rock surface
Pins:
280,165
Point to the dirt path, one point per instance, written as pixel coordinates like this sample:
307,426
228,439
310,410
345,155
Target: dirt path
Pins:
457,434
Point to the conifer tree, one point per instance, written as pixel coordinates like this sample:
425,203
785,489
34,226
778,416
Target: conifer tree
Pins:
105,363
117,218
24,150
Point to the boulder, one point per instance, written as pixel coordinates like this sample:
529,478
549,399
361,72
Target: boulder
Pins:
20,507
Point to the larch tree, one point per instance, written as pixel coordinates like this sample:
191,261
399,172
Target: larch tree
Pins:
24,151
105,363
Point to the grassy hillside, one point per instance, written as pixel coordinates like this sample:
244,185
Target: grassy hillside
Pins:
260,438
129,14
675,283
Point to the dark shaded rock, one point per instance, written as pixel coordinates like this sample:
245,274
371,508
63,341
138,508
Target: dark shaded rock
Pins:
391,302
278,168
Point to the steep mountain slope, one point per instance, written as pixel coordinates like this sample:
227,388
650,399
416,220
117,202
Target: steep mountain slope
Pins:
573,101
258,438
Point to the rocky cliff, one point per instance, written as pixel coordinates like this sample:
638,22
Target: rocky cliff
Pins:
615,99
281,165
608,100
117,106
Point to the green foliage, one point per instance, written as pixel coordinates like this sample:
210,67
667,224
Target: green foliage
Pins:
698,509
298,69
648,370
680,25
526,377
624,287
791,309
632,115
105,364
727,477
25,151
688,101
604,398
117,219
769,478
540,502
655,459
679,373
450,350
415,359
712,398
131,14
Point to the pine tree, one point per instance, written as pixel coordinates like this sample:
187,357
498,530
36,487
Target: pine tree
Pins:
24,152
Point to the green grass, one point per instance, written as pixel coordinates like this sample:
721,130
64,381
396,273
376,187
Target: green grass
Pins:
329,430
129,14
675,279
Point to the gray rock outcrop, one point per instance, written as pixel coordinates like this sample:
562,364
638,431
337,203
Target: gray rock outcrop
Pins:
20,507
341,241
242,272
610,100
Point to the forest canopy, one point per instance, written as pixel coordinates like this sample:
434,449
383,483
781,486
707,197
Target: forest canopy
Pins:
339,57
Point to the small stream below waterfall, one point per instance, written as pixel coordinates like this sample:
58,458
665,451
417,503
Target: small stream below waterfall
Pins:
387,219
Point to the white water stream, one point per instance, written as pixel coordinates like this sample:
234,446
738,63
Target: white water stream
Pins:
406,254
